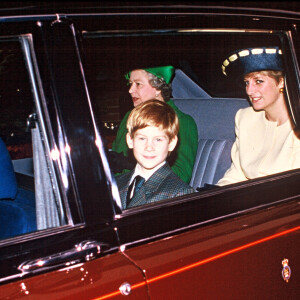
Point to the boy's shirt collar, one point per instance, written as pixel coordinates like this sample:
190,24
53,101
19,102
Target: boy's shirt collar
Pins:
137,171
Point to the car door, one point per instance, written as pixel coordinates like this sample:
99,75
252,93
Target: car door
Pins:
71,249
243,255
234,242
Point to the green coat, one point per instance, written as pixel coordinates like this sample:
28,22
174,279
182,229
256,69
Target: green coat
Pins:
185,151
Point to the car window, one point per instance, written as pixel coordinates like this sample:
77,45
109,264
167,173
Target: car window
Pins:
200,89
29,198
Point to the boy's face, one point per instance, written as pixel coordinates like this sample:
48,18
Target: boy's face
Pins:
150,147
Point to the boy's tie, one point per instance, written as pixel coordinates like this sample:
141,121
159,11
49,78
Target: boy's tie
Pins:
136,183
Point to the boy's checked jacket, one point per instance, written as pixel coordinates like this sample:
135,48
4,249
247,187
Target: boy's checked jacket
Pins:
163,184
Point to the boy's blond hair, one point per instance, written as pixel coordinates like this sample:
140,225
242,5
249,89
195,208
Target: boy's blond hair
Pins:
153,113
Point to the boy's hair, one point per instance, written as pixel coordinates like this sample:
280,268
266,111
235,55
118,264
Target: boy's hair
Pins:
153,113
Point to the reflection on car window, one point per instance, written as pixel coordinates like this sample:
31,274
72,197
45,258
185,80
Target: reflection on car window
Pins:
200,88
27,200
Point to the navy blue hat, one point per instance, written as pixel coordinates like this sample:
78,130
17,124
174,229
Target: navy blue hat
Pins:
244,61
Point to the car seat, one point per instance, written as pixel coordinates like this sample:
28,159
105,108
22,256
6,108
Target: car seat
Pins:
17,205
215,121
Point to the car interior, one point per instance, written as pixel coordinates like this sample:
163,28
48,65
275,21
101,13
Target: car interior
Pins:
17,203
28,201
199,89
215,139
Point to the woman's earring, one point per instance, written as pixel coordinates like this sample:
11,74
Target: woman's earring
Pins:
156,95
281,90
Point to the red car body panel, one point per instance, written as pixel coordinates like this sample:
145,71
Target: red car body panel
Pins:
235,255
97,279
172,264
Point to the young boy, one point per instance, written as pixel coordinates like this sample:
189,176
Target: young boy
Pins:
152,134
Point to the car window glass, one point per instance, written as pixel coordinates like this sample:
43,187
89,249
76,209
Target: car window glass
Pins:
28,201
197,58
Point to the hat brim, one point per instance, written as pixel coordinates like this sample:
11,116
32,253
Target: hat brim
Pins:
250,60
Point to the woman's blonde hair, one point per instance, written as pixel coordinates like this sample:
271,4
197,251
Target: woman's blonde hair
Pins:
276,75
153,113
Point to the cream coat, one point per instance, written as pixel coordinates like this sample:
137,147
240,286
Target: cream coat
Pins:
261,147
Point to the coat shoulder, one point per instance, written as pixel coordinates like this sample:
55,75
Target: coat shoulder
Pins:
123,179
248,116
174,184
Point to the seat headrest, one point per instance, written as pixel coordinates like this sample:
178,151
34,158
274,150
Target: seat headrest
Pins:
183,87
214,116
8,182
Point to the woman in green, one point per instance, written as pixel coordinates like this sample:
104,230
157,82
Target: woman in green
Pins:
154,83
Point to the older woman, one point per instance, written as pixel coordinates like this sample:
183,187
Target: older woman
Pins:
154,83
265,140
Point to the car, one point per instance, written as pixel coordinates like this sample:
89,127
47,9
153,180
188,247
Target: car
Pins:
64,234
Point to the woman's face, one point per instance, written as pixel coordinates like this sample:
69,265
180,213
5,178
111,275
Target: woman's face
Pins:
263,90
140,88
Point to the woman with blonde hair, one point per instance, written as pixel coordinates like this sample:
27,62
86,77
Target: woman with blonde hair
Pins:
265,139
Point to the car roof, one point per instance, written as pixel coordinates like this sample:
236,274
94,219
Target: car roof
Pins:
132,7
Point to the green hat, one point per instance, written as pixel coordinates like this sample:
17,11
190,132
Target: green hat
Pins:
165,73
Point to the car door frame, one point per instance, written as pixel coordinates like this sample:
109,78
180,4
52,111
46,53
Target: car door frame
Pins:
89,233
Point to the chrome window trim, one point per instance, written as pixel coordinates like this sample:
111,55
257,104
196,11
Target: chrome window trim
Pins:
35,81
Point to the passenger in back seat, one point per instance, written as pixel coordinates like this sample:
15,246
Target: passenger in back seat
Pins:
266,142
154,83
152,135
